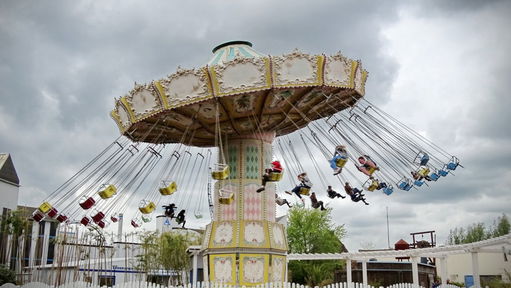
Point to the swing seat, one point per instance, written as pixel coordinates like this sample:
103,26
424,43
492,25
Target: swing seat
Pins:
37,216
340,162
371,170
52,213
62,218
452,165
423,171
108,192
373,186
146,207
168,189
388,190
443,172
114,219
221,171
225,197
86,203
404,185
102,224
146,219
418,183
136,223
198,216
85,221
305,191
45,207
98,217
275,176
434,176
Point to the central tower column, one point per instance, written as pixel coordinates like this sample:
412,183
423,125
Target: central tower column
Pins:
243,244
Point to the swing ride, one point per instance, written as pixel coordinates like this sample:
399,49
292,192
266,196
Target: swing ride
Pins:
238,104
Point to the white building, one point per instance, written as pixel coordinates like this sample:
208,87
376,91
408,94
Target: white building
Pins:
9,184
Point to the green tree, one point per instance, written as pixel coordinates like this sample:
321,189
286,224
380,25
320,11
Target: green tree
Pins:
478,232
312,231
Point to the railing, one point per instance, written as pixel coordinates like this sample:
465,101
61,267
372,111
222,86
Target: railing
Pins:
143,284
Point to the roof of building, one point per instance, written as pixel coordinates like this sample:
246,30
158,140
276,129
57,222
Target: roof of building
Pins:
7,170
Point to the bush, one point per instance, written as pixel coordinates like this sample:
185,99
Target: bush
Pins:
7,275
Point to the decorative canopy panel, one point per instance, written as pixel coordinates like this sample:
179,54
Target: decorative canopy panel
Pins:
241,92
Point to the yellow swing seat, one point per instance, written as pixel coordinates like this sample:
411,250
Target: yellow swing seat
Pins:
168,189
221,171
341,162
423,171
146,207
371,170
275,176
108,192
305,191
45,207
225,197
371,185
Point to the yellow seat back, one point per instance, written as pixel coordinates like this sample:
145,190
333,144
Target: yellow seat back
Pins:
148,208
275,176
424,171
374,184
169,190
341,162
371,170
305,191
45,207
221,172
108,192
226,198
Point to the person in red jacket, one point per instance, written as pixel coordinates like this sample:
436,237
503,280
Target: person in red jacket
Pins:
276,167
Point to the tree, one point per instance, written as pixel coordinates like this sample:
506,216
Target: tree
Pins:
166,251
478,232
312,231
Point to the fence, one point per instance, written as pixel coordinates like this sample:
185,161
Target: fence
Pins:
143,284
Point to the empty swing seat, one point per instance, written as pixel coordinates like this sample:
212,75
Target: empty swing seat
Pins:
37,216
62,218
418,183
372,185
225,197
453,164
114,219
85,221
404,185
98,217
388,190
108,192
146,207
52,213
136,222
45,207
275,176
305,191
87,203
434,176
102,224
198,216
221,171
168,189
146,219
443,172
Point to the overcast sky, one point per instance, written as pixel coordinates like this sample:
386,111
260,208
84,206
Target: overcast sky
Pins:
442,67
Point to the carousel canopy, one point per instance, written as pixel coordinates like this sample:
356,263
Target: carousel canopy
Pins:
239,92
